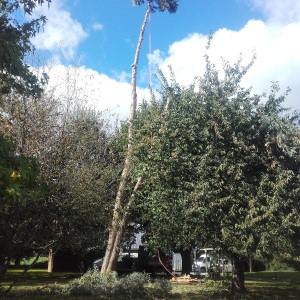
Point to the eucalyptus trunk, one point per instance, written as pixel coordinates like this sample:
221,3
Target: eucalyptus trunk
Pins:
120,215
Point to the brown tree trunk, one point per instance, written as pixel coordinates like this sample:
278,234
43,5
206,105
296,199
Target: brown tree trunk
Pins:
4,264
238,275
186,262
50,261
18,262
250,264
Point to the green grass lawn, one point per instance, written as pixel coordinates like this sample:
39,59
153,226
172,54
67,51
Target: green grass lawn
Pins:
278,275
261,285
36,278
41,259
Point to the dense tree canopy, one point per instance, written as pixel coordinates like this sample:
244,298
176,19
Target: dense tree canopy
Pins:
224,166
75,159
20,191
82,178
15,44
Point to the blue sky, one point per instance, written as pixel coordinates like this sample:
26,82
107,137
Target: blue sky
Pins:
112,48
95,40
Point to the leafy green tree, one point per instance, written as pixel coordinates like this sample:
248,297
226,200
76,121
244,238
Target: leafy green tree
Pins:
20,189
15,44
123,201
170,142
75,151
249,177
83,175
222,168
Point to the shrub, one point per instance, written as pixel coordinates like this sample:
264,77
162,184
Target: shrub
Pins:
161,288
92,283
133,286
54,289
279,264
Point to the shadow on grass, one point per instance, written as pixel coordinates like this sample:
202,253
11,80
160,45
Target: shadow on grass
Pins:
288,287
290,276
35,278
261,286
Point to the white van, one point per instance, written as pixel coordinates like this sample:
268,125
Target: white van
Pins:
205,262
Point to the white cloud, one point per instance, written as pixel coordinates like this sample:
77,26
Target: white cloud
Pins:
279,11
274,40
61,31
121,76
94,89
276,46
63,34
97,26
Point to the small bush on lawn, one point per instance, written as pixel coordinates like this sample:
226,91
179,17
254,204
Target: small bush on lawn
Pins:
92,283
161,289
133,286
53,289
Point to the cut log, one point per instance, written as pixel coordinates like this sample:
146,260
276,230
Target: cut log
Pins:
186,279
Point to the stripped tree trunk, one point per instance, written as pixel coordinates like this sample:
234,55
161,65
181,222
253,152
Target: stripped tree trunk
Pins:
120,215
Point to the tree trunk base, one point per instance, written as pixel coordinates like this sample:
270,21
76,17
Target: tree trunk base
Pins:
237,288
238,276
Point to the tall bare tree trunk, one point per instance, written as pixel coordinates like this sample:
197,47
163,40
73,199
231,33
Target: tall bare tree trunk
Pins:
120,215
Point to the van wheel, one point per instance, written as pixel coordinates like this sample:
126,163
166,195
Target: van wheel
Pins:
202,269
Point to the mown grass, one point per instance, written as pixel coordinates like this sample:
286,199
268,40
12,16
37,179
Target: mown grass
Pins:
36,278
29,261
275,275
260,285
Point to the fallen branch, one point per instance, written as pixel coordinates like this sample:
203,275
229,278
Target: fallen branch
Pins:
184,279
